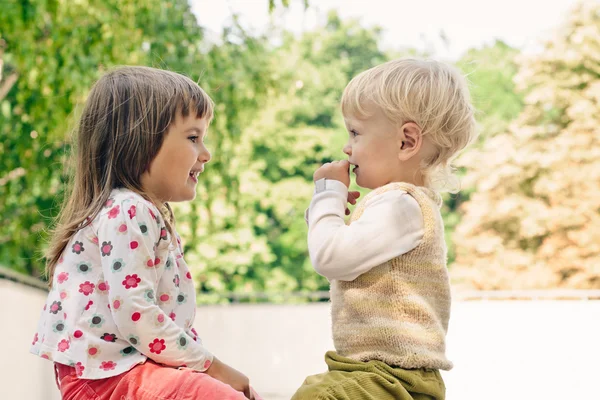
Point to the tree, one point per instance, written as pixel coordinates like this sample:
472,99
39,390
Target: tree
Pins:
534,219
257,243
51,54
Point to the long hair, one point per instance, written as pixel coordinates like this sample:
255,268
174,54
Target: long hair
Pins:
124,121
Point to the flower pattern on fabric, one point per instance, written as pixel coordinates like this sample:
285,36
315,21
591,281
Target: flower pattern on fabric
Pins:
84,267
182,342
55,307
131,212
114,212
131,281
63,345
96,321
149,296
134,340
78,248
87,288
62,277
106,248
181,298
109,337
79,368
121,294
127,351
157,346
93,351
103,286
117,265
107,365
58,327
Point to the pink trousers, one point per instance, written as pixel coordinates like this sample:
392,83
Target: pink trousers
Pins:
148,381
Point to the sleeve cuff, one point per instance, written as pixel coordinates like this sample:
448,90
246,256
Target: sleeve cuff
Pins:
324,184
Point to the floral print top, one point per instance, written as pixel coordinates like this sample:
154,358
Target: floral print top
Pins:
121,293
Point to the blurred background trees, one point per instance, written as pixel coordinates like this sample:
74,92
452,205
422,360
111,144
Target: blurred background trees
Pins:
528,216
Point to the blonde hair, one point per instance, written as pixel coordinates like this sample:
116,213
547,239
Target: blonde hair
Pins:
127,114
433,95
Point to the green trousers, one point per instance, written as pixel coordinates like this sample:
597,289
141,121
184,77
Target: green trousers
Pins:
348,379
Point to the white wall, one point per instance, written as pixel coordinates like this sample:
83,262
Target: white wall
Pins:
501,350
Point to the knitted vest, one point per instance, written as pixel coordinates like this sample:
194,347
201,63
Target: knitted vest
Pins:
398,311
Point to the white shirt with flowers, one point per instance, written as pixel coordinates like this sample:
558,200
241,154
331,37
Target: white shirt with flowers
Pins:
121,293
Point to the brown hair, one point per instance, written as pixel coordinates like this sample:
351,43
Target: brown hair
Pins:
126,116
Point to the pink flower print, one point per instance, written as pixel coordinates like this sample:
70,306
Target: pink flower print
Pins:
106,248
157,346
61,259
55,307
207,364
114,212
93,351
35,339
107,365
131,281
109,337
63,345
172,315
103,286
95,240
194,332
163,233
160,319
122,228
135,317
77,334
109,203
88,305
150,263
164,298
79,369
87,288
188,275
133,245
117,301
152,214
131,212
78,248
62,277
63,295
46,356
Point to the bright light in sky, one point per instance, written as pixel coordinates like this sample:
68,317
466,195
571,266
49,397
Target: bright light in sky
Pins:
406,24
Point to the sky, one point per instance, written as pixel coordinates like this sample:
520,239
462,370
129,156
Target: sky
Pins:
406,24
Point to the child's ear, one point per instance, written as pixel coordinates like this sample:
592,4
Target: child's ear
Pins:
410,140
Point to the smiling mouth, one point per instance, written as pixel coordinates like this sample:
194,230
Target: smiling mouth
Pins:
194,176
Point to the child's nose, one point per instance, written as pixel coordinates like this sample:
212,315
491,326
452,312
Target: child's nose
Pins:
347,150
204,156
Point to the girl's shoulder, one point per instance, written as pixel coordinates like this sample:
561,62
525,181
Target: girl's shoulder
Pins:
128,202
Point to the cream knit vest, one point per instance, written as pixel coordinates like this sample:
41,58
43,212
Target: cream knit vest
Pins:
398,311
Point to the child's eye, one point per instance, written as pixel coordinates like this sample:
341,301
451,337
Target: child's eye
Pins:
353,133
194,139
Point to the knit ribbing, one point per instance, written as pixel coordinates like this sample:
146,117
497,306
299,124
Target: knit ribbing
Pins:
398,311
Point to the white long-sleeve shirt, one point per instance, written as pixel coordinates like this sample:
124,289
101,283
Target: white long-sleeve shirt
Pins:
391,225
121,293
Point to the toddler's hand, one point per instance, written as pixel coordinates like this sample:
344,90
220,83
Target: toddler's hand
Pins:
336,170
230,376
352,196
